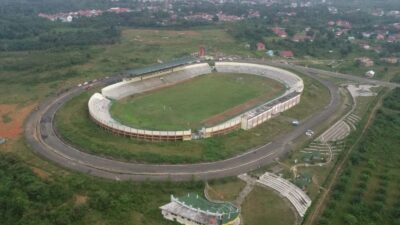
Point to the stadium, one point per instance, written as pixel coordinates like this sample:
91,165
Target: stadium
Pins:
164,76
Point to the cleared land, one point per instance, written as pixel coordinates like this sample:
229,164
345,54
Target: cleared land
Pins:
264,207
205,100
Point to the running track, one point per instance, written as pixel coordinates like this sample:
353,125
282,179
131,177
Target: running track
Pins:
42,137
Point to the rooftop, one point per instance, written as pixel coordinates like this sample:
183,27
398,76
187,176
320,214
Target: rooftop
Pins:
226,210
160,66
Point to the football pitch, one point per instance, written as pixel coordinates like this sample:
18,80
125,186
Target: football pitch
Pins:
206,100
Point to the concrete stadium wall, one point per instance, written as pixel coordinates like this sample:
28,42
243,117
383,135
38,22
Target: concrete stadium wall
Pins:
293,82
259,115
263,113
153,81
223,128
99,107
99,104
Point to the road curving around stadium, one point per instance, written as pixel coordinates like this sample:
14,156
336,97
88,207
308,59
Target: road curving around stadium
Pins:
42,137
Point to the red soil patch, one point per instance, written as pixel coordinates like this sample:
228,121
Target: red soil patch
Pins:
13,128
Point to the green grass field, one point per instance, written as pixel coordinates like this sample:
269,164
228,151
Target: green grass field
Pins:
264,207
189,104
227,189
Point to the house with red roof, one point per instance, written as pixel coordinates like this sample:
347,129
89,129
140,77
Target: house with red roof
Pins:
286,54
279,32
343,24
260,46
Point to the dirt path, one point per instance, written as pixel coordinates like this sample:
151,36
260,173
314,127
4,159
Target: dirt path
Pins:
41,173
12,119
250,183
320,205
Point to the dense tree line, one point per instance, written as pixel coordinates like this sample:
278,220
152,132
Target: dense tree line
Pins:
365,190
27,199
53,39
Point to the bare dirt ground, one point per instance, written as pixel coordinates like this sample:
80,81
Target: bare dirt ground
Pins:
17,114
215,192
80,199
40,173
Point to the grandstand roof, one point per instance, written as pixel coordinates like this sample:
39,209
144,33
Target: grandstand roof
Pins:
161,66
226,210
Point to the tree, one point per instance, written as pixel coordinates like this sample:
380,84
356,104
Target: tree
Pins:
215,18
350,219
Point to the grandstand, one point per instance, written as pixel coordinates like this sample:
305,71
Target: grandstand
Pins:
161,67
222,128
268,110
99,111
295,195
292,82
141,84
168,74
193,209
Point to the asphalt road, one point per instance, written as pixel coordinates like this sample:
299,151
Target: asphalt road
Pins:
42,137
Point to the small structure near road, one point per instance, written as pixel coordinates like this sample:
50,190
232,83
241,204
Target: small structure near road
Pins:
287,54
193,209
2,140
295,122
365,61
370,74
362,90
260,46
309,133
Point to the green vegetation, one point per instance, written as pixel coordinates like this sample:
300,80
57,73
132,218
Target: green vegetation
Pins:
6,118
74,125
28,199
189,105
29,76
39,58
367,191
226,189
264,207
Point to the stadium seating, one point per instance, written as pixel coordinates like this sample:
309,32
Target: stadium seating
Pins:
99,104
293,82
135,86
99,111
222,128
295,195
